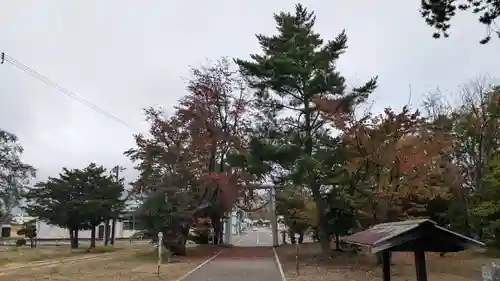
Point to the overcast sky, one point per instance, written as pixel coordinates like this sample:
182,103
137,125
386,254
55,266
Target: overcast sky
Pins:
125,55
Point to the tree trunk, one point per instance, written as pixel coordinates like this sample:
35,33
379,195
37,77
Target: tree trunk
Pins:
71,238
106,232
217,226
73,234
322,220
313,184
337,241
113,231
283,236
92,236
221,231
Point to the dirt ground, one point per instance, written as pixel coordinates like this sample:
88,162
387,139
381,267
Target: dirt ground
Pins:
128,264
464,266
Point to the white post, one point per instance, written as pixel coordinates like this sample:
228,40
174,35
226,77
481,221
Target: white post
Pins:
274,219
160,246
297,254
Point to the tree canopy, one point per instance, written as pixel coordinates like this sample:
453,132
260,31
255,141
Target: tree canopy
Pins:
439,13
296,73
287,117
79,199
15,175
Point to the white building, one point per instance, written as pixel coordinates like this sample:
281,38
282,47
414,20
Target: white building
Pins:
124,228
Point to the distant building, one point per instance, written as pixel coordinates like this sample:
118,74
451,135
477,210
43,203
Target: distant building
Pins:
124,228
239,221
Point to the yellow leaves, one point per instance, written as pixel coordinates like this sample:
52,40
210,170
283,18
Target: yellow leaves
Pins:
298,207
353,165
310,213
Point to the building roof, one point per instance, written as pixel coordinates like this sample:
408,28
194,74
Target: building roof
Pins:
405,235
21,219
7,219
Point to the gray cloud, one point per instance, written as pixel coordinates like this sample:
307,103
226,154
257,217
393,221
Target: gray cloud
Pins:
126,55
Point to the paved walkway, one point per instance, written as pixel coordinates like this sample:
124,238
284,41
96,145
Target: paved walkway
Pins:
239,263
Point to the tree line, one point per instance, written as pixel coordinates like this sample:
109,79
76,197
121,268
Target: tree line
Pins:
288,116
77,199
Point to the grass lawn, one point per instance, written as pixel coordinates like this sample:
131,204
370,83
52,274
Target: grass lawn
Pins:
13,256
343,266
124,265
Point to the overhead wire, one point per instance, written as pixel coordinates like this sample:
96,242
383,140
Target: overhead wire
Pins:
8,59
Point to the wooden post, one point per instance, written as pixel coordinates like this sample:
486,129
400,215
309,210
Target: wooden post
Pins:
160,246
386,265
420,267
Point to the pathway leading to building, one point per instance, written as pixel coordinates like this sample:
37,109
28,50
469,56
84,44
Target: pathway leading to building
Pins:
252,259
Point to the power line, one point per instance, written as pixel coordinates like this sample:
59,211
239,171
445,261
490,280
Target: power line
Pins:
6,58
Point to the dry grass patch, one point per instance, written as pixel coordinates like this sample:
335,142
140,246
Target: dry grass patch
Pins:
345,266
137,265
21,255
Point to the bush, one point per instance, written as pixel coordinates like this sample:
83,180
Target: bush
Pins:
200,236
20,242
29,232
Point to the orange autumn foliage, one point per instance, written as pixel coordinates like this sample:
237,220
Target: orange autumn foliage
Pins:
400,158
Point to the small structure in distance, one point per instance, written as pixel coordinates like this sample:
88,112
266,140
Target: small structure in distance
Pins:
417,236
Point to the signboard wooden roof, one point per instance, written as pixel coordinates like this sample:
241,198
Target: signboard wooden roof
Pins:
412,235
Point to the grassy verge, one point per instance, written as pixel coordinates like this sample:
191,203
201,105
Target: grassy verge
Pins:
15,255
140,265
463,266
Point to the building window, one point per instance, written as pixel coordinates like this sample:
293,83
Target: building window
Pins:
6,232
128,223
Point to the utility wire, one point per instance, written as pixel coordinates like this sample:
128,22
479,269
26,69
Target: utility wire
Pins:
8,59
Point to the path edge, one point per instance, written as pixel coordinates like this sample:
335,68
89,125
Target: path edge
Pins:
278,263
199,266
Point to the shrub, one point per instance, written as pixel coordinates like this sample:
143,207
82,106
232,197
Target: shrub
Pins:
20,242
200,236
29,232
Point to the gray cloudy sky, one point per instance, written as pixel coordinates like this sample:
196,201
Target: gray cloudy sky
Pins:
125,55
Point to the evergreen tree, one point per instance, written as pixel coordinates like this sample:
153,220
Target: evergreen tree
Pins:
78,199
295,75
438,14
102,197
488,210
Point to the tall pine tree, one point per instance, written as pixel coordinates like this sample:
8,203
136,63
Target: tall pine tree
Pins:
295,76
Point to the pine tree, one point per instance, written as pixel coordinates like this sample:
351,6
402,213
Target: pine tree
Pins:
296,74
488,209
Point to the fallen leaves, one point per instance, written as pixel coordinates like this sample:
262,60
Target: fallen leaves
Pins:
345,266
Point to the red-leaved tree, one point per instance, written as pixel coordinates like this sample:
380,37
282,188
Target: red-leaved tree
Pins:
187,152
215,113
